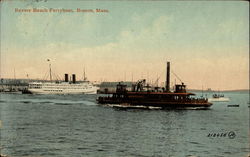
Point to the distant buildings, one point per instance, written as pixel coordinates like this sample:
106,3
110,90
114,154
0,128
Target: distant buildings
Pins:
13,85
110,87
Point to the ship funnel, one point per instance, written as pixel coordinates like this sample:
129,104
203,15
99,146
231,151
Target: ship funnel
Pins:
168,77
66,77
73,78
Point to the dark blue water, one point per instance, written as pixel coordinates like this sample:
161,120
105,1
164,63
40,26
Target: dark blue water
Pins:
75,125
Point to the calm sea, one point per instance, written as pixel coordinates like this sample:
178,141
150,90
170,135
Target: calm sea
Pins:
76,126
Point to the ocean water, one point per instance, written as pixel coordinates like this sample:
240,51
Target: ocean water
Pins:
76,126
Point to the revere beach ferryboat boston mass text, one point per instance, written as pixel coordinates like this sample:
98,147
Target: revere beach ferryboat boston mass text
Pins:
60,10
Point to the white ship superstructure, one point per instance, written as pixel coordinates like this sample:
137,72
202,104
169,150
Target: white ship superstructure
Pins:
62,88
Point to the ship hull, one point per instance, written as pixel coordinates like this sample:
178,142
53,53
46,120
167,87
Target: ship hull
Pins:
126,106
157,103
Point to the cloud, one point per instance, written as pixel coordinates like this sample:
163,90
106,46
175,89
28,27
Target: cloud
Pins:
36,29
32,26
141,46
142,35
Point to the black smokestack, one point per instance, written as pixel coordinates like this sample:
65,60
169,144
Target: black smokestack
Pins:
66,77
73,78
168,77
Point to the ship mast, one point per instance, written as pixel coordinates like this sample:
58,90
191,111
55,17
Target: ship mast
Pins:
50,76
202,91
14,74
84,75
168,77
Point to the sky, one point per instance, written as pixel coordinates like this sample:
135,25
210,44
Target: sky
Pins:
206,42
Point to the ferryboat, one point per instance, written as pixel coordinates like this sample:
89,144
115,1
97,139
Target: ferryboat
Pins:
158,98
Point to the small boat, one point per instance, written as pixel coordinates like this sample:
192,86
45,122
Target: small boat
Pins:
218,98
233,105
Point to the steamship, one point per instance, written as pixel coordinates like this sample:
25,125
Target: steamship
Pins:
141,96
66,87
